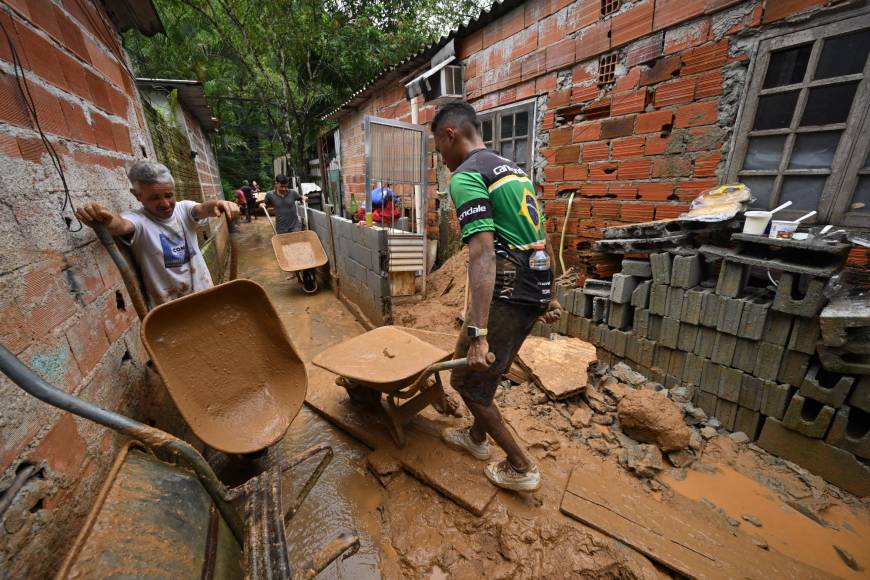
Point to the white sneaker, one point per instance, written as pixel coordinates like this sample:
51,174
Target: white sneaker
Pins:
503,475
461,439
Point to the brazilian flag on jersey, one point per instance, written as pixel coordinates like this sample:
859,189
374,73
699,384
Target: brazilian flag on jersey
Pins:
492,193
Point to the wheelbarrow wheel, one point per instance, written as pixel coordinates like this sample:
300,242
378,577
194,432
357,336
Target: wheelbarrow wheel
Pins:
358,394
309,281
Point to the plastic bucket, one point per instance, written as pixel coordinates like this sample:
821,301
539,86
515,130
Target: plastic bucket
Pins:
782,229
756,222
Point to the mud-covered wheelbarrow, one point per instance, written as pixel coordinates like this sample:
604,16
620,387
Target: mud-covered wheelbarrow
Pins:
299,253
390,362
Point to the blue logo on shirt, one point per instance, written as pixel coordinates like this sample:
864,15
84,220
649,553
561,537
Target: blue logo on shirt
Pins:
175,252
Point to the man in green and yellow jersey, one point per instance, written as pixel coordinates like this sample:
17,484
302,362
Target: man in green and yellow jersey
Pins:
510,283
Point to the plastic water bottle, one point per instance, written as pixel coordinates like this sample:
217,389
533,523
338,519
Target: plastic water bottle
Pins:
540,259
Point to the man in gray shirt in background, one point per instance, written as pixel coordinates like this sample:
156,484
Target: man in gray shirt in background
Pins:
284,199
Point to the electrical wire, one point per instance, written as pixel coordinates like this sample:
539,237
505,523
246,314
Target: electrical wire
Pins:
21,81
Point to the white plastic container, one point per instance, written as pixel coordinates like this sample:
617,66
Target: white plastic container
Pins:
782,229
756,222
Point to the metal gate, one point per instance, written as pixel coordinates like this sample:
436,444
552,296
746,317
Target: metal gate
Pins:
395,156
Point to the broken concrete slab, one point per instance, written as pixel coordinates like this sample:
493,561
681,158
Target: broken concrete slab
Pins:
850,433
808,417
641,245
559,367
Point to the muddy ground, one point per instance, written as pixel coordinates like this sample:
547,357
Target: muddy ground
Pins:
409,530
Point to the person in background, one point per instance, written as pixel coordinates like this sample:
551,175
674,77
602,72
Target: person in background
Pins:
284,199
510,283
241,201
162,233
250,201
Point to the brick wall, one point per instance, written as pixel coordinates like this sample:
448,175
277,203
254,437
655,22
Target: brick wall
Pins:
63,308
635,149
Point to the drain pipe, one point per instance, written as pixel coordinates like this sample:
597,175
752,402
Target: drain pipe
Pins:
421,203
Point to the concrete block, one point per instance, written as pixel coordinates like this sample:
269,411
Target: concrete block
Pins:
638,268
632,348
618,342
657,376
594,332
675,302
730,313
768,360
842,361
710,307
688,337
686,271
605,357
675,367
707,402
726,412
599,308
662,358
744,355
777,327
654,330
831,463
808,417
846,323
732,279
671,382
723,349
692,369
647,352
658,299
851,431
710,377
753,318
621,288
661,267
640,296
807,304
640,322
826,388
585,328
562,325
793,368
705,342
860,397
730,381
775,398
670,332
582,304
573,325
692,303
749,422
621,316
751,393
562,295
804,335
597,287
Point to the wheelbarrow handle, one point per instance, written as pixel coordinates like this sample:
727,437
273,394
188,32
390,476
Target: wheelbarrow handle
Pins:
447,365
269,219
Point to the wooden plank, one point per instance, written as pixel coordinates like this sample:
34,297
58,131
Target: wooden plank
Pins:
403,283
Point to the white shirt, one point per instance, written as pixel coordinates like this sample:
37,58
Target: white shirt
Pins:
167,253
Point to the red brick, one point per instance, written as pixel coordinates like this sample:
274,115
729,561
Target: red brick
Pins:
526,42
679,39
513,22
9,146
595,152
587,131
42,57
79,128
710,56
675,92
492,33
576,172
622,191
560,136
12,107
632,23
779,9
638,212
688,190
537,10
661,70
584,93
103,131
670,12
634,169
545,84
559,98
858,257
31,149
696,114
552,29
593,40
606,209
88,343
706,163
48,111
654,122
5,53
672,166
63,448
618,127
627,82
569,154
714,5
548,191
656,145
46,301
554,173
603,171
100,91
507,96
121,136
46,17
560,55
644,50
73,39
470,44
633,102
655,191
671,210
496,56
549,121
709,85
628,147
585,71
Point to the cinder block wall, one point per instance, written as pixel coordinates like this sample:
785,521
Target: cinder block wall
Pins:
63,308
360,254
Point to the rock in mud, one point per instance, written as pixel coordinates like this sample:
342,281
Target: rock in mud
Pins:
582,416
739,437
681,458
626,374
644,460
600,446
752,520
848,559
613,388
696,442
651,418
708,432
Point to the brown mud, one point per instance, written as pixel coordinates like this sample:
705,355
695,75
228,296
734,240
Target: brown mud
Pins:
444,301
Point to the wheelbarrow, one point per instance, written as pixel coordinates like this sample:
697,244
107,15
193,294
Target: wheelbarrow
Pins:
299,253
237,407
173,517
391,362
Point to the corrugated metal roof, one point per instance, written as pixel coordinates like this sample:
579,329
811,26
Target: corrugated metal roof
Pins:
138,14
498,9
190,94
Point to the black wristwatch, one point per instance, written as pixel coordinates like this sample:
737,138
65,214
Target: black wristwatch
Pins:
475,332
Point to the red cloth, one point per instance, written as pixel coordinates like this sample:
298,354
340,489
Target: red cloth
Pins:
389,214
240,197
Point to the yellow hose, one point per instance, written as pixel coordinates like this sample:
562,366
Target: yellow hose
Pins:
564,227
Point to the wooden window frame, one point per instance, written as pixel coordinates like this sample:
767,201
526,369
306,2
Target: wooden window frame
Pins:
495,115
843,175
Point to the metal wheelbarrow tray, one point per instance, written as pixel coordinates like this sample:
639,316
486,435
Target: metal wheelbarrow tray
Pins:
391,361
298,251
234,406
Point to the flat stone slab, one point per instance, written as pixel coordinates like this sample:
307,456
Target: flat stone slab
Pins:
558,366
831,247
768,263
641,245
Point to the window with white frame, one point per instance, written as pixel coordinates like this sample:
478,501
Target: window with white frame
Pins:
804,134
510,131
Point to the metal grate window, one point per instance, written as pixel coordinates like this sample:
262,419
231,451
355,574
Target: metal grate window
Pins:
510,132
607,68
610,6
803,135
